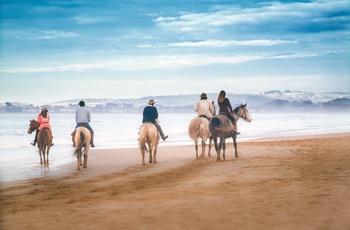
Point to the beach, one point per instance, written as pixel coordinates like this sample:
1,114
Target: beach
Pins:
292,183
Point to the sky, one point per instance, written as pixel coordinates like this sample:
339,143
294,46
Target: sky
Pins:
54,50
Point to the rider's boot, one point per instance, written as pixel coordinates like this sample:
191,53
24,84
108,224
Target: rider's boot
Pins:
33,143
164,137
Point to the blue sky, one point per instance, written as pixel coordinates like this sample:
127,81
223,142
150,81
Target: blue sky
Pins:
57,50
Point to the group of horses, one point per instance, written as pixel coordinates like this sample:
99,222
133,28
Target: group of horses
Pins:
219,127
81,142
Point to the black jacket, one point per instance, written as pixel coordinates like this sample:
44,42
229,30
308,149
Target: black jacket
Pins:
150,114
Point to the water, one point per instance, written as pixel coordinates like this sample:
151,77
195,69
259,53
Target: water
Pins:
19,160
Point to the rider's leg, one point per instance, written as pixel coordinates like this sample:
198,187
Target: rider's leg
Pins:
161,131
35,139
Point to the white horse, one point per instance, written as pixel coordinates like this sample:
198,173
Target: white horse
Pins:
148,135
221,127
82,145
199,128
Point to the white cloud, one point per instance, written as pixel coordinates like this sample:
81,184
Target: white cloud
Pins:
91,20
275,13
154,62
54,34
227,43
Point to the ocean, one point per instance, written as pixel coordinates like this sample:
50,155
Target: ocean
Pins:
20,160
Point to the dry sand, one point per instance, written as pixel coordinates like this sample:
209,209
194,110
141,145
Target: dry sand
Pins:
283,184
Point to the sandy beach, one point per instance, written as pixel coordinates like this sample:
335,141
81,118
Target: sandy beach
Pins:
299,183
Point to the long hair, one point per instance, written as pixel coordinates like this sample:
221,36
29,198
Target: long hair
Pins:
44,113
221,96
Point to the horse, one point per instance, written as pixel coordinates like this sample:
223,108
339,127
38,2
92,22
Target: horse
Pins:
221,127
44,140
82,145
148,135
199,128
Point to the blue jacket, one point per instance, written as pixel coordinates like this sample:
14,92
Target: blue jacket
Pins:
150,114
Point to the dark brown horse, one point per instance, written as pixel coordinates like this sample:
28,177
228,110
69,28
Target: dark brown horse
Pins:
221,127
44,141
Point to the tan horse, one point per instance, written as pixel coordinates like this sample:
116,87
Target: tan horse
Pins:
199,128
148,135
44,141
82,142
221,127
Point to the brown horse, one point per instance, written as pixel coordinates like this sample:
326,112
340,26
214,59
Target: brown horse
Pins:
82,142
199,128
221,127
148,135
44,141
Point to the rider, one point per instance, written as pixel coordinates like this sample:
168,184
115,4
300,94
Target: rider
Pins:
44,122
82,118
150,114
204,108
226,108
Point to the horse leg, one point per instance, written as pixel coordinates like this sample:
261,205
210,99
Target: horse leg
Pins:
78,160
223,149
155,154
210,140
235,144
85,159
220,146
216,147
47,155
203,148
196,147
40,154
143,156
150,148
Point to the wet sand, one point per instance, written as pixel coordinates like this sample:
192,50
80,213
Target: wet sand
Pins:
300,183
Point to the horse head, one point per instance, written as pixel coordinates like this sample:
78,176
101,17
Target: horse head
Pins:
33,125
243,112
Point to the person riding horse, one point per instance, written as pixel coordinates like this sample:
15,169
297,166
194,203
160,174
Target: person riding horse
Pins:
226,108
204,108
82,118
44,122
150,114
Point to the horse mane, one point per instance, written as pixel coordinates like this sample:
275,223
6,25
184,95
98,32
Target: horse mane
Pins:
238,107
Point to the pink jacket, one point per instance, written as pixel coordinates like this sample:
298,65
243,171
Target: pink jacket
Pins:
44,122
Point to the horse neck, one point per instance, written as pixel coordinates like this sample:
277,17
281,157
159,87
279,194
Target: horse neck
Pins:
236,116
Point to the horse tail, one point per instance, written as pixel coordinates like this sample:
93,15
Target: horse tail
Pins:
42,138
81,145
143,136
215,122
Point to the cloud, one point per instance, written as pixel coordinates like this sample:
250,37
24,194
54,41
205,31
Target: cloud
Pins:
54,34
227,43
84,20
156,62
292,17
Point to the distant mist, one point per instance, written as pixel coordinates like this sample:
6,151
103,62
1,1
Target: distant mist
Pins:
270,101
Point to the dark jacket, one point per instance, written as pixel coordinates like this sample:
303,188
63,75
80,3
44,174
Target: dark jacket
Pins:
150,114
